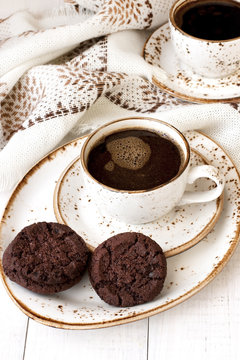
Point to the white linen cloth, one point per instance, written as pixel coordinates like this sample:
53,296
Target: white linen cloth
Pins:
68,69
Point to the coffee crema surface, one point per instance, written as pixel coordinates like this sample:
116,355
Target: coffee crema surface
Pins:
134,160
210,20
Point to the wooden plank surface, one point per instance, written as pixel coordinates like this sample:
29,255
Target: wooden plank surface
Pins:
13,327
116,343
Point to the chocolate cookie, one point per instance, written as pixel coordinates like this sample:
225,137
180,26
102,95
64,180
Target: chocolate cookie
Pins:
46,258
128,269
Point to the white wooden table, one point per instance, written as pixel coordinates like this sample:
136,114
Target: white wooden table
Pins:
207,326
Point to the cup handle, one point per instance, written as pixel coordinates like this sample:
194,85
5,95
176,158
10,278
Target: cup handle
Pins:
203,171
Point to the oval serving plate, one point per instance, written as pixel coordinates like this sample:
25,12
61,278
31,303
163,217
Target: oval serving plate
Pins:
80,307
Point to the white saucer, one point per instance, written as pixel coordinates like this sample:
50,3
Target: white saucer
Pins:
177,231
175,78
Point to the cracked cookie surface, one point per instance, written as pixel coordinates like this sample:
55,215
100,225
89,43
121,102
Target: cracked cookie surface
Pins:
128,269
46,258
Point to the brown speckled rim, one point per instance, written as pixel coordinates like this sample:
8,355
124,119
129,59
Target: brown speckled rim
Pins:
128,127
80,326
181,95
192,98
178,4
174,251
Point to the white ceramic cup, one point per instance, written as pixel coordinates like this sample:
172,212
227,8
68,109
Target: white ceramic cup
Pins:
209,58
142,206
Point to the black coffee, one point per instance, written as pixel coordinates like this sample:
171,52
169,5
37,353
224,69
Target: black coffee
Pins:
210,20
134,160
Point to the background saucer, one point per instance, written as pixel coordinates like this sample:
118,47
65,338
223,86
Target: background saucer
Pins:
177,231
177,79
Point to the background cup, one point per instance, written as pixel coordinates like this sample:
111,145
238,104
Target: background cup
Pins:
209,58
142,206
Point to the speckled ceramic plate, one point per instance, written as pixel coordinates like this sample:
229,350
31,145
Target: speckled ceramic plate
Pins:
75,207
80,307
175,78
